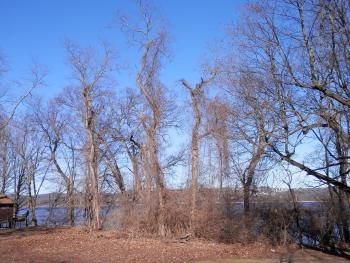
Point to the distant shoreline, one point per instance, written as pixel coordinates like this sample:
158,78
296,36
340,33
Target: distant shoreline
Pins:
238,202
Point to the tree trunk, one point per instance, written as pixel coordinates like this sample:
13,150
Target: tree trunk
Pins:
194,175
147,174
343,171
32,205
249,177
158,175
94,183
113,165
92,158
69,187
137,179
196,95
247,185
246,198
70,205
343,212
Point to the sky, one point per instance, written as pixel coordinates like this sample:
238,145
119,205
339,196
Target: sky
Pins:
35,30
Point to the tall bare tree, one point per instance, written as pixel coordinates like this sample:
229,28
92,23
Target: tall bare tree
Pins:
249,126
300,48
217,115
91,74
197,99
32,168
54,125
157,115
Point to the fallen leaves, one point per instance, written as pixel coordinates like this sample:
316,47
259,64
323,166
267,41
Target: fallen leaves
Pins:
78,245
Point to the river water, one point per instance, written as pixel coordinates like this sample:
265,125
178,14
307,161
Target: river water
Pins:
57,216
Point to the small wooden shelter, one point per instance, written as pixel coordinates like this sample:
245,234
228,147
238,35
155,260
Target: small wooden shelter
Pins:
7,217
6,208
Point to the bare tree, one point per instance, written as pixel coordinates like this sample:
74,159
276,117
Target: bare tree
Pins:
110,139
15,168
36,80
249,125
91,77
197,97
6,177
18,171
53,122
217,115
32,168
300,49
157,115
131,132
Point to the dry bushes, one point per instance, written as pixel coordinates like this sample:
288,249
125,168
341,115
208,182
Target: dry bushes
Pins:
216,218
273,221
141,217
220,218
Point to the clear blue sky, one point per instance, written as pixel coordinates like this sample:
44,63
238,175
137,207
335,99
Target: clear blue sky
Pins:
36,29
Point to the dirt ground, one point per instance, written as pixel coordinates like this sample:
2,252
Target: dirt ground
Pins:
79,245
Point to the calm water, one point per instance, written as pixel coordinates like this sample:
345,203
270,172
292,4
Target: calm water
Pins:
57,216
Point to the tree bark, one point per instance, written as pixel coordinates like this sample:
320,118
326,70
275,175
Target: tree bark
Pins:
196,96
92,158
